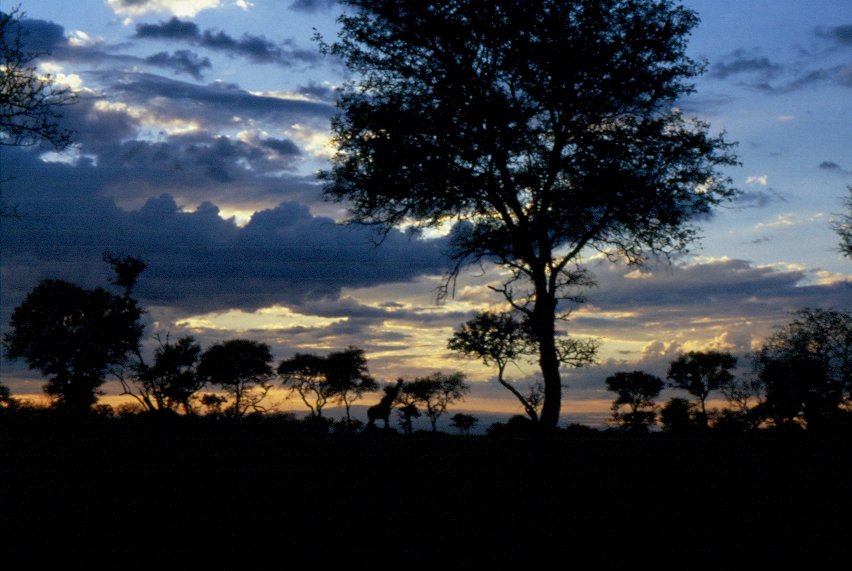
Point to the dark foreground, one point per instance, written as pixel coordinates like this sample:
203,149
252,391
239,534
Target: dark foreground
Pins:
142,496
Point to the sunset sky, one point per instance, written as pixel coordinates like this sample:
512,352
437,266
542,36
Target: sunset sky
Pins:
200,127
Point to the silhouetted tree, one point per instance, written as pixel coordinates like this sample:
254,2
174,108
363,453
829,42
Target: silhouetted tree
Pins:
806,368
636,390
678,416
213,403
30,100
464,423
242,368
346,372
341,376
745,399
6,400
172,381
501,339
843,226
75,337
472,111
407,413
435,393
700,373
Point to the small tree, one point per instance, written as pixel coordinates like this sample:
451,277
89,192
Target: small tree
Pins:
464,423
242,368
407,413
678,416
76,336
843,226
700,373
172,381
435,393
341,376
346,372
636,390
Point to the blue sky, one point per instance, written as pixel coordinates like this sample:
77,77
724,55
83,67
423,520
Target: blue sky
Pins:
201,124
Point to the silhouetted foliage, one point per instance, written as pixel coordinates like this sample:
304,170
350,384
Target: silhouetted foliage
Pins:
30,101
242,368
501,339
636,390
347,373
464,423
341,376
213,403
473,111
806,368
745,398
172,381
843,226
7,402
679,416
435,393
700,373
75,337
407,413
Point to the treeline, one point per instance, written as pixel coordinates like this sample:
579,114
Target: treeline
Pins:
78,337
800,378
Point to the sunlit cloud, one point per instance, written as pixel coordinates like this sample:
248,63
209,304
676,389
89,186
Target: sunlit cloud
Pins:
147,118
274,317
781,221
316,142
762,180
180,8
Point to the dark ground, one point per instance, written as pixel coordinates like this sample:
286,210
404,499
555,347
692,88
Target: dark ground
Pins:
140,495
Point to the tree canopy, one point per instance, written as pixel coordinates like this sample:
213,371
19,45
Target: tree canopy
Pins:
30,101
76,336
541,128
636,390
701,372
341,376
242,368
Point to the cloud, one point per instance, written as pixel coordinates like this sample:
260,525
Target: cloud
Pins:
758,198
842,35
311,6
215,103
256,48
41,36
182,8
181,61
198,260
833,167
741,62
762,180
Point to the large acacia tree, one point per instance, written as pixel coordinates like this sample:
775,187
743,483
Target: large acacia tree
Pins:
543,128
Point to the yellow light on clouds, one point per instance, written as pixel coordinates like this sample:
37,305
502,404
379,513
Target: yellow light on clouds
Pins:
268,318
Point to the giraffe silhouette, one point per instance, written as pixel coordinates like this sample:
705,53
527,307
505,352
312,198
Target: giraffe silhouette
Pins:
382,410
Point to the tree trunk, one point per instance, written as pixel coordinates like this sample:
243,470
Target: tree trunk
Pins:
544,317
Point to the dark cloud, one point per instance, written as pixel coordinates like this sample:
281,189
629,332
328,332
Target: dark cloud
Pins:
313,5
281,146
42,36
720,290
833,167
758,198
198,261
174,29
742,62
840,34
216,103
256,48
180,61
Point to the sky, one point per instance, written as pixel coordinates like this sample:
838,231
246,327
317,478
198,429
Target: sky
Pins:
200,127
